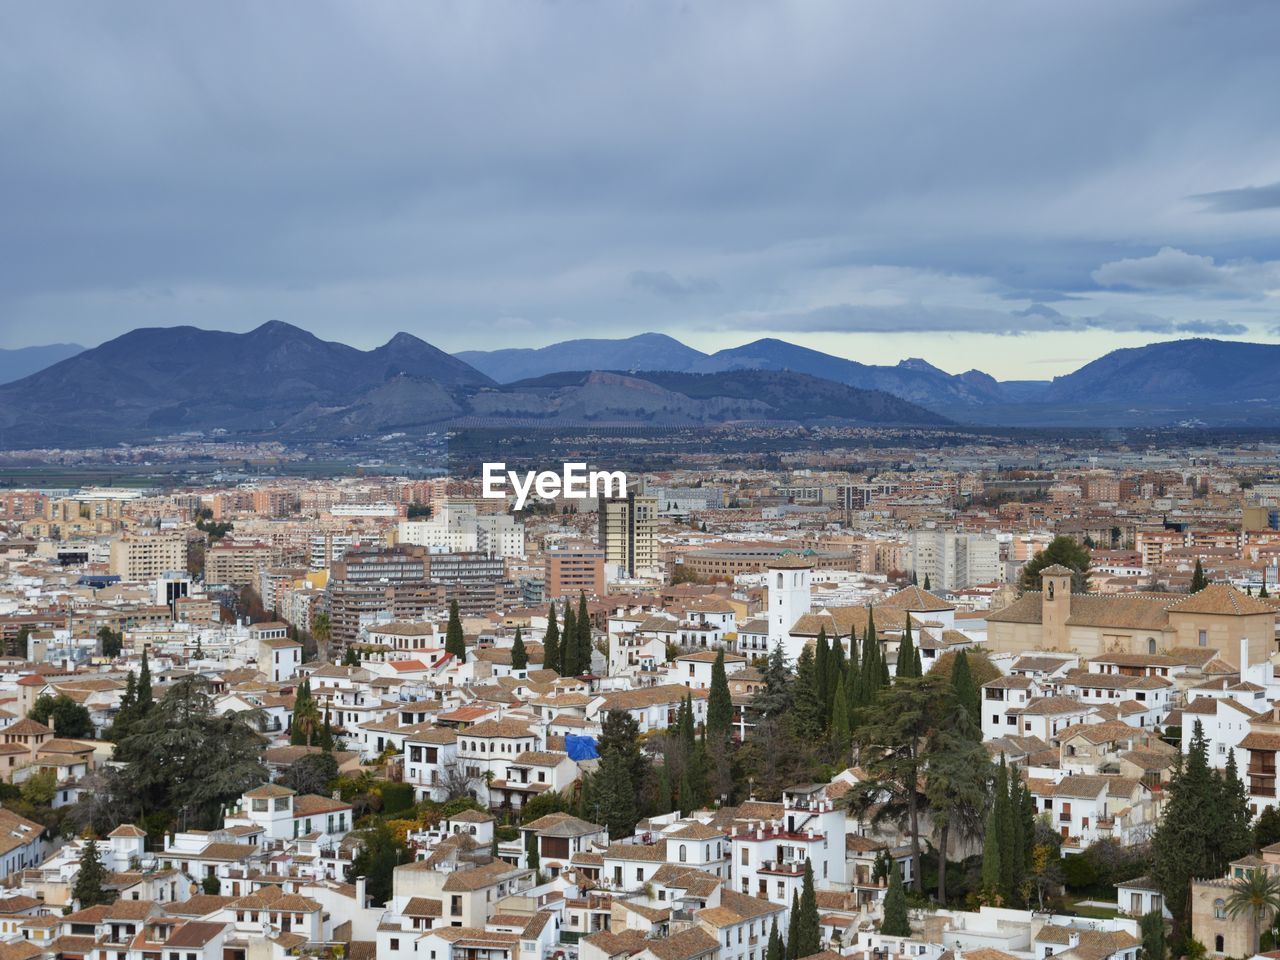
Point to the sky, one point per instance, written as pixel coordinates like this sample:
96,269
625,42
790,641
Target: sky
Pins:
1017,187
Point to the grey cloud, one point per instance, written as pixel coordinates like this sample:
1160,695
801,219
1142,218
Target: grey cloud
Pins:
1169,268
663,284
445,167
1241,199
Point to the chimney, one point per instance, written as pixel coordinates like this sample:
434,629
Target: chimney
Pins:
361,897
1244,659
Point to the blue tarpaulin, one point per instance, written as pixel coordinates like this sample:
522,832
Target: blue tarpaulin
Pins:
580,748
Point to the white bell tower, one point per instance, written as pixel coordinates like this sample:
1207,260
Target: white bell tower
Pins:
788,579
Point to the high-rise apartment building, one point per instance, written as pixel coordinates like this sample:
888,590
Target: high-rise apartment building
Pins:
628,527
952,560
148,556
570,572
235,564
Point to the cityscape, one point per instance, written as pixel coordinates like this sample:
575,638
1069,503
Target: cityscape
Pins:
606,481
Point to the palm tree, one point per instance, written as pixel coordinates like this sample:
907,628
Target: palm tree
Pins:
1258,894
322,630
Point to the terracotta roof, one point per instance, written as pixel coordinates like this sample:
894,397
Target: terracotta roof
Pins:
1222,599
915,600
498,728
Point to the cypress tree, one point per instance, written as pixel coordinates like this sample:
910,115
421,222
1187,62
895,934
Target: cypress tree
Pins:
551,642
1236,833
965,689
918,667
905,667
793,928
1004,822
326,733
687,802
687,723
1198,580
840,732
615,796
1186,842
519,658
144,697
453,640
776,951
533,861
808,716
915,581
808,938
836,667
584,634
821,654
926,582
853,690
1262,592
1019,842
895,922
569,644
870,661
719,703
87,890
991,861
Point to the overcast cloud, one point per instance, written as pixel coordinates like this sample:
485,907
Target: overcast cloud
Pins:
875,179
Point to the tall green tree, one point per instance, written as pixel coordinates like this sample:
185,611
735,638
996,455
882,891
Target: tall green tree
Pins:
1236,831
551,642
808,713
891,738
620,734
380,853
1153,942
454,640
1008,832
991,867
1187,842
185,762
719,703
145,699
583,624
840,731
965,690
775,950
532,860
1198,580
519,657
111,641
615,796
958,777
793,929
906,663
66,717
569,644
821,656
1061,550
896,922
808,936
775,698
88,889
306,716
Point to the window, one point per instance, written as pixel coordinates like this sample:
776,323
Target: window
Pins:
395,943
1220,909
1204,641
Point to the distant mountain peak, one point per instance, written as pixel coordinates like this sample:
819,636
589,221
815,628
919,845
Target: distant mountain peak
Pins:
915,363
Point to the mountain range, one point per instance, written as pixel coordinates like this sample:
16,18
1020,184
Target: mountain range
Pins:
281,381
913,380
24,361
